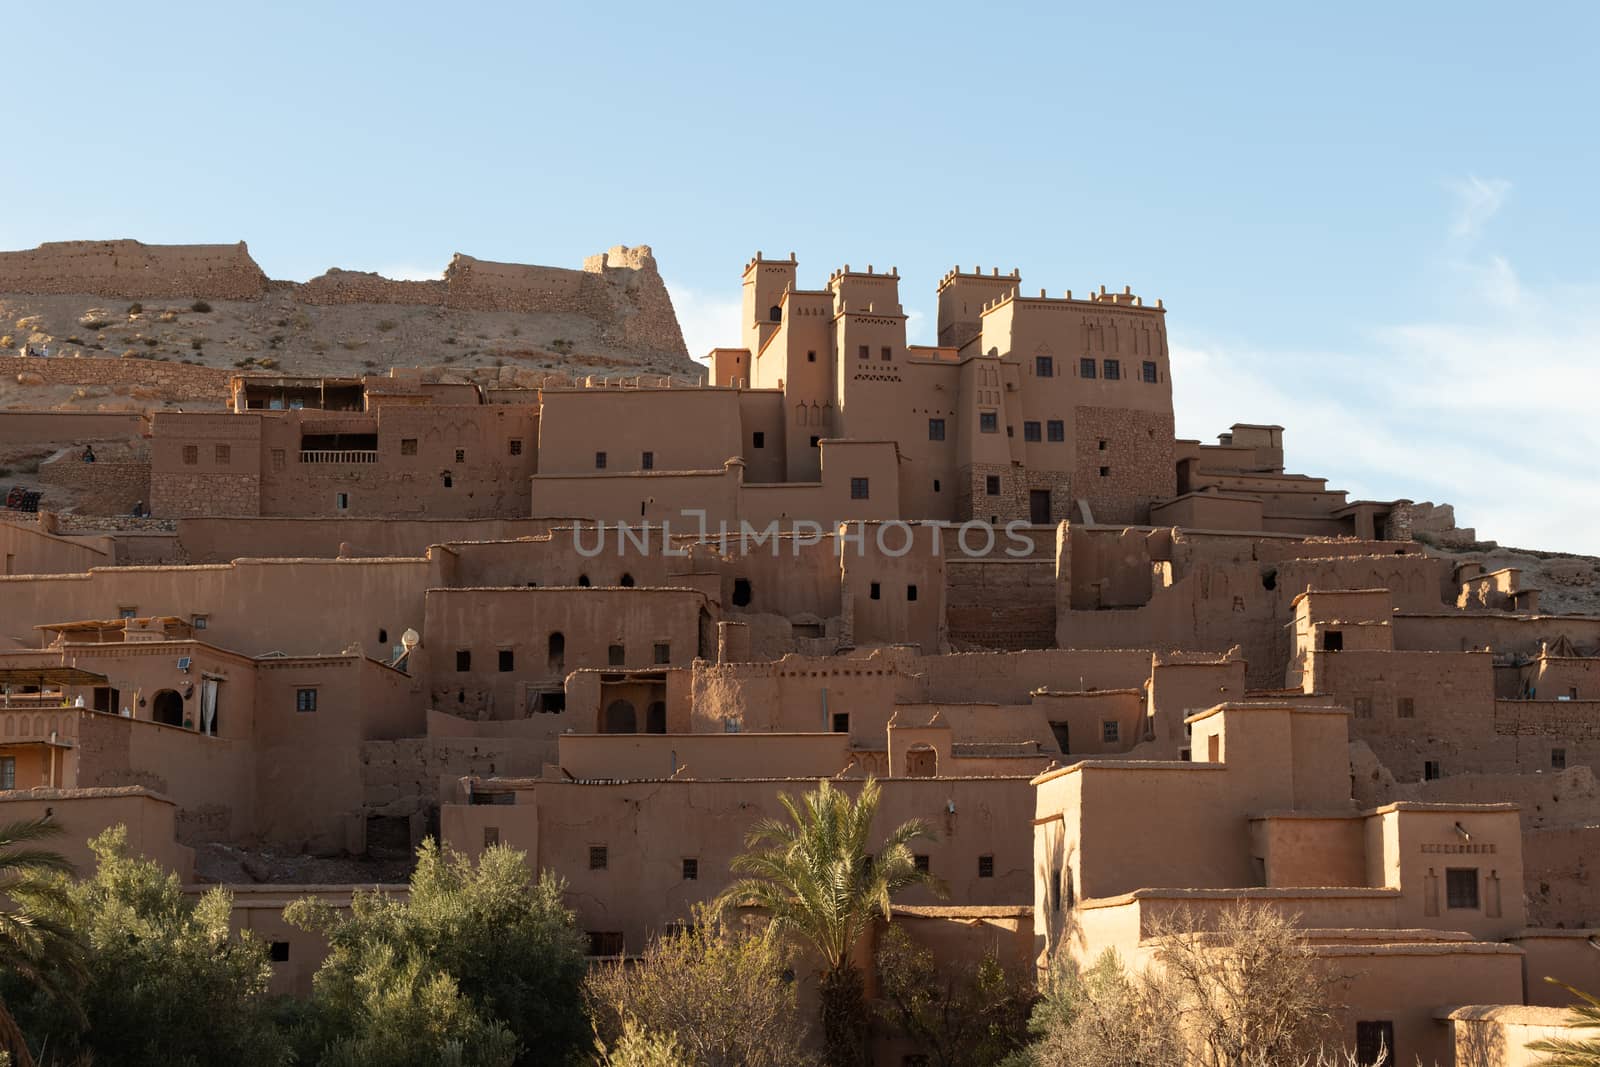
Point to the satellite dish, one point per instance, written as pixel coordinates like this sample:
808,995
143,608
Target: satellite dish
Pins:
410,640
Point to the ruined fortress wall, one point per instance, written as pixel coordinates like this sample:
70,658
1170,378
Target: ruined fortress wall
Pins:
168,381
362,287
131,269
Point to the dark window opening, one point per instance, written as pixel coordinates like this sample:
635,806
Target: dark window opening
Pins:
863,351
691,870
616,655
775,313
1060,730
1375,1043
606,943
1031,431
886,353
1110,732
599,461
1086,367
626,581
1430,770
758,439
1558,759
304,700
583,581
922,862
1105,472
1333,640
663,652
598,858
1044,366
648,461
1056,430
557,651
991,485
1150,374
988,422
446,480
859,489
383,636
461,455
279,952
1405,708
741,592
1113,370
841,722
515,447
1269,580
875,592
655,717
508,660
985,866
816,442
1461,887
911,592
936,485
463,660
936,429
811,357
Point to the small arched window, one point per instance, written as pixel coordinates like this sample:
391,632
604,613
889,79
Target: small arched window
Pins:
558,651
583,580
775,313
741,592
626,581
446,479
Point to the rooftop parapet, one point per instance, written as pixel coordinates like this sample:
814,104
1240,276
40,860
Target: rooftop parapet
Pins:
759,259
845,271
1126,299
977,274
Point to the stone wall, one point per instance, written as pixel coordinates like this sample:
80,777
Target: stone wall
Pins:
131,269
178,495
1135,466
164,381
1001,605
105,487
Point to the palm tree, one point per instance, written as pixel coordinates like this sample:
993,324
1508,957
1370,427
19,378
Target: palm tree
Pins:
1573,1052
35,943
816,878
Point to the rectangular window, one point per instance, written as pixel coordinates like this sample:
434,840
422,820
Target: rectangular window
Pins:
507,660
8,772
408,446
1150,373
989,422
1333,640
305,700
691,870
663,652
1113,370
491,836
936,429
841,722
341,501
127,613
1430,770
816,442
1405,708
922,862
606,943
648,461
279,952
1558,759
599,461
863,352
616,655
875,592
858,489
887,353
1110,732
1086,367
1031,432
758,439
1375,1043
199,622
1044,366
911,593
515,446
222,454
1105,472
1363,707
1461,887
985,866
1104,444
1055,431
461,455
277,459
811,357
463,660
191,454
598,859
991,485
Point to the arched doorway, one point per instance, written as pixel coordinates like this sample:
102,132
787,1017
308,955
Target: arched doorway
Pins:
655,717
620,718
922,762
167,707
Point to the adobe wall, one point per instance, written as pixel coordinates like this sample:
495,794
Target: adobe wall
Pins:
70,427
133,269
25,548
84,813
1563,889
213,540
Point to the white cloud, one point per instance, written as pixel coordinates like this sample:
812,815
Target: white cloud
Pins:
1488,411
708,322
1477,201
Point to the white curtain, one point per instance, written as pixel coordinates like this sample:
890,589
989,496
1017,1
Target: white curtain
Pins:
208,705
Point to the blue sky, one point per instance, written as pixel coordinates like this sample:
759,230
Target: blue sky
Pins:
1373,224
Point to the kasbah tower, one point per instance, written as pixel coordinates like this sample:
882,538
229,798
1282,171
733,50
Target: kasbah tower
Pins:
490,558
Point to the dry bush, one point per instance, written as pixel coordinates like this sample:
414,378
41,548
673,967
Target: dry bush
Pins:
385,325
200,307
722,992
